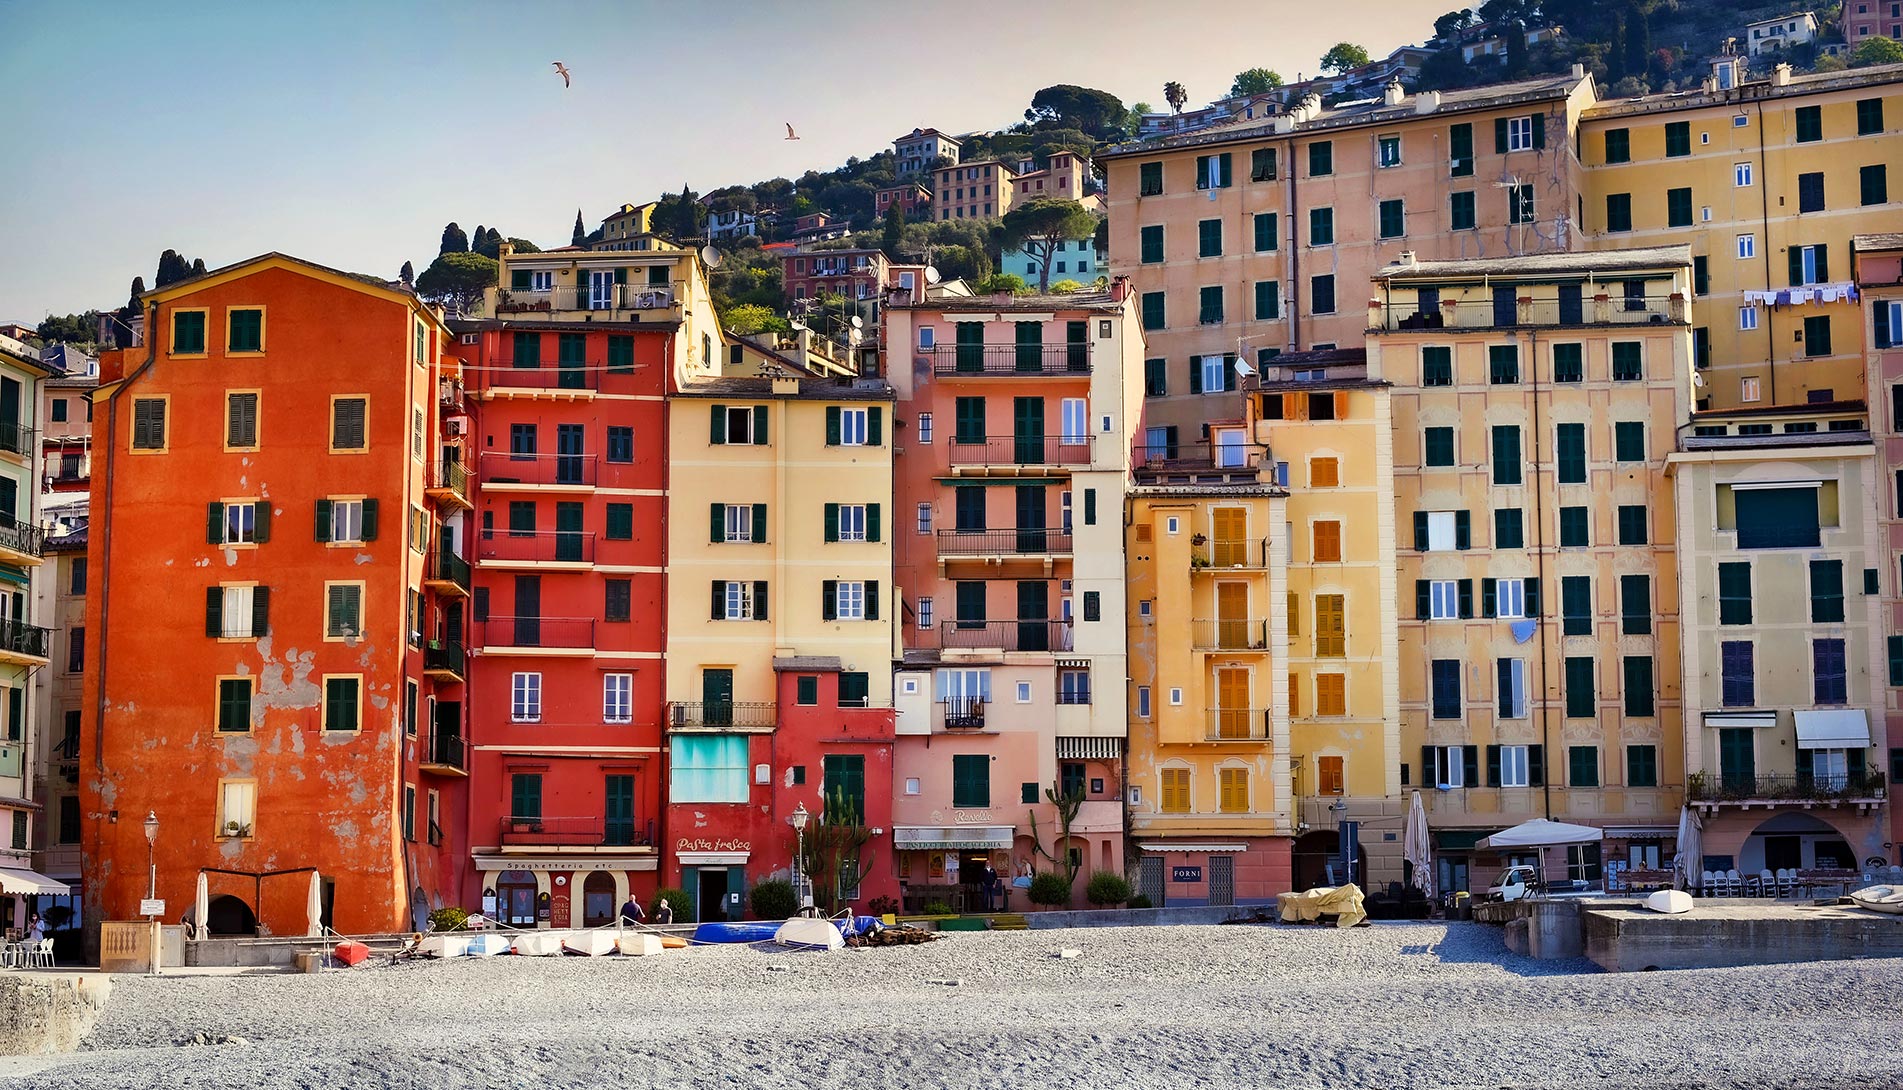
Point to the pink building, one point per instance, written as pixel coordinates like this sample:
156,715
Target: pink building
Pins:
911,197
1872,19
1878,261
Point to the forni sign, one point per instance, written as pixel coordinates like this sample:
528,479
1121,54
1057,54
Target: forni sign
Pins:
1186,874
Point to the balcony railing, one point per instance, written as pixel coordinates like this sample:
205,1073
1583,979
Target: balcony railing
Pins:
962,713
1225,554
18,438
447,567
444,657
1801,787
641,296
1009,542
547,546
450,477
1046,635
1163,457
448,750
1609,309
1243,635
68,748
564,633
576,832
1023,450
1010,359
1237,724
719,714
29,640
21,537
499,467
504,374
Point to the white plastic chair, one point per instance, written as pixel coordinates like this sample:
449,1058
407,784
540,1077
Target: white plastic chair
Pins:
40,955
1767,883
1734,884
1708,884
1786,882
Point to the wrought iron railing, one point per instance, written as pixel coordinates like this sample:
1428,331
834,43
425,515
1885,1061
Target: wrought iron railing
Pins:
1248,634
555,632
500,467
448,749
720,714
551,546
1024,450
1802,786
1029,635
1237,724
1010,359
444,656
962,712
1006,542
595,832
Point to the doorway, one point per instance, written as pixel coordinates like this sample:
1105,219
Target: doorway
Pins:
1150,881
528,611
598,899
712,902
227,915
716,696
515,898
1222,880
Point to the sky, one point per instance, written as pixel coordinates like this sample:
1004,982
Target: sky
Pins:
349,132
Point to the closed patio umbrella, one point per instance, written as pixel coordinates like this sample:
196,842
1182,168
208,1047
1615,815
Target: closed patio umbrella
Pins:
1417,848
1689,866
314,908
201,906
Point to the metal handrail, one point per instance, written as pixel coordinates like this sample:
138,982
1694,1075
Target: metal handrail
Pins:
576,831
501,467
1026,635
445,655
720,714
553,546
1805,786
1024,450
1237,724
1608,308
558,632
1005,542
1072,358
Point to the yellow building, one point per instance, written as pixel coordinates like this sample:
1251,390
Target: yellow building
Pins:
1535,408
664,284
631,228
1767,181
982,190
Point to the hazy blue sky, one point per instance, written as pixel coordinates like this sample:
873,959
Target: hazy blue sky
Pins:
349,132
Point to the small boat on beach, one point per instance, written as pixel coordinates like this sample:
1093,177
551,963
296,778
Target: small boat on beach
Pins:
537,944
590,944
483,946
807,933
444,945
1879,899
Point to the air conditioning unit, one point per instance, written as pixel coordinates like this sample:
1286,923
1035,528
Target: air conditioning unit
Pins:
454,427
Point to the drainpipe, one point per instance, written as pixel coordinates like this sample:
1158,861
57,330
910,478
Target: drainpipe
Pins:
1539,560
1294,253
105,537
1764,203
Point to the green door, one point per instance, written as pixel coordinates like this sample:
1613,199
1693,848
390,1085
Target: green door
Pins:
971,604
1077,346
1034,611
1737,758
571,360
618,827
568,536
716,697
1030,522
971,346
1030,347
1027,428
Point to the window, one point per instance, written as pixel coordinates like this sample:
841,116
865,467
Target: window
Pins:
1520,133
1073,686
1324,473
1509,528
1618,211
971,780
1210,374
849,600
1826,591
525,797
852,522
620,444
1149,179
1506,454
1575,605
1573,528
1209,301
1444,683
1438,447
1642,766
617,600
1810,124
1618,145
1734,593
1321,227
342,703
1571,442
1460,147
1152,244
1635,605
1511,675
1174,797
1322,294
525,698
1268,300
1209,238
148,423
1628,440
708,768
1212,171
241,420
1581,699
1389,153
738,425
1582,766
1810,192
1739,676
1439,531
1393,219
1143,701
1509,598
188,333
1461,211
1632,524
1327,541
1627,361
1262,165
1520,204
1678,207
739,600
1445,602
234,705
343,611
1437,365
1869,116
1828,675
1331,632
245,331
1873,184
1776,518
352,521
1266,236
409,812
1153,316
1678,139
77,584
347,424
1748,248
237,807
1503,364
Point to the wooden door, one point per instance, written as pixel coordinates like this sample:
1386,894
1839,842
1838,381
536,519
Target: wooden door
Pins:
1232,529
1232,615
1232,702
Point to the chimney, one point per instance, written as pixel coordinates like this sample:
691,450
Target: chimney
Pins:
1407,260
1781,76
806,341
1119,289
1579,71
1427,102
1392,93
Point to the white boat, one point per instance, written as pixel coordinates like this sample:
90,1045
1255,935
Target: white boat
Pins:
638,944
809,934
443,945
482,946
588,943
537,944
1880,899
1669,901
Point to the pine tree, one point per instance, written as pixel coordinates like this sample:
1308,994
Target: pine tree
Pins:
172,269
476,239
454,241
894,230
408,274
198,266
581,233
686,223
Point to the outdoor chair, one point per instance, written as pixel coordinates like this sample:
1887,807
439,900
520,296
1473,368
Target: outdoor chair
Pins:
1767,883
1733,883
1707,885
1786,882
40,954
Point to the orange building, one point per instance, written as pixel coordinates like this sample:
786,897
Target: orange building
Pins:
264,511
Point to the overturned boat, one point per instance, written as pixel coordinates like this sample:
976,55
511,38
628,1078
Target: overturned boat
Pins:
1879,899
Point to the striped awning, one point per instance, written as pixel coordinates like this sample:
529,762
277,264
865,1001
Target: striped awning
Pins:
1089,749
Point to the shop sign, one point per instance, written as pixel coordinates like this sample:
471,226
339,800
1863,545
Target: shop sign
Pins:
717,845
971,817
1186,874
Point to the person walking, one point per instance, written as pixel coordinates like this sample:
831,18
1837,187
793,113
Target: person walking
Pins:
664,912
631,911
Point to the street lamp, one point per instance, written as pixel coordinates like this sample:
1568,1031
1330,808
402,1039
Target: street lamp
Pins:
798,821
152,881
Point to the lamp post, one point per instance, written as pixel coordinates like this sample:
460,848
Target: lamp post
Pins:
152,883
798,821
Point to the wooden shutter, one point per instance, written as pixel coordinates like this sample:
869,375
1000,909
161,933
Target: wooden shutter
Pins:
832,425
215,523
832,522
1464,597
1090,507
1195,374
1493,760
872,600
1500,135
260,611
719,612
717,433
1420,531
1463,530
1423,599
1539,130
1532,585
757,533
1430,766
1796,256
716,523
369,520
1488,590
214,610
759,600
872,522
1536,765
829,600
759,426
261,521
1470,764
875,426
323,520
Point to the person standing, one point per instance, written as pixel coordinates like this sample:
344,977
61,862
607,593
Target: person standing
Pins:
988,881
664,912
631,911
35,929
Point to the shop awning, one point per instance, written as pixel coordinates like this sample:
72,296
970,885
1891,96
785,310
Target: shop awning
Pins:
1741,719
1190,846
26,881
1542,833
908,838
1089,749
1838,728
593,861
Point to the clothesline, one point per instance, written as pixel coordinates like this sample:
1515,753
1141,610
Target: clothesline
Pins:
1820,293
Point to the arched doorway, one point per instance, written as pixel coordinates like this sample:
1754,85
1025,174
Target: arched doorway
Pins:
1797,841
515,898
1316,860
227,915
598,899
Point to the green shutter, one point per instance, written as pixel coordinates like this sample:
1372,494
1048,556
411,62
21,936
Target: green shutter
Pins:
369,520
214,611
260,611
875,426
1423,599
215,523
717,433
759,426
719,600
872,600
832,522
832,425
1463,530
323,520
519,280
1500,135
1539,130
716,523
261,521
829,600
758,532
1090,507
872,522
760,600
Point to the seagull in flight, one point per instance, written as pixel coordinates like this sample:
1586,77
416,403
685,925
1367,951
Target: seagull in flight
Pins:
562,70
790,134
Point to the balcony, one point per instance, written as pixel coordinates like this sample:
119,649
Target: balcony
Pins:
721,715
18,439
962,713
1237,457
514,472
625,298
523,831
448,484
1035,453
447,574
1026,541
1229,555
443,660
536,548
447,754
1865,791
20,543
538,636
1045,635
1483,313
1232,635
1237,724
24,644
1009,360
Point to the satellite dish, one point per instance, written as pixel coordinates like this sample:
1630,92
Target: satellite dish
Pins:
1244,368
931,274
1697,379
797,326
858,322
710,256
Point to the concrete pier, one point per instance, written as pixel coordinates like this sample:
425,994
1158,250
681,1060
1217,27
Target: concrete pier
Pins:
1722,933
43,1013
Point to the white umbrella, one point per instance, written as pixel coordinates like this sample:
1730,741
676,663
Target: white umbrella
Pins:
314,908
1417,849
1691,850
201,907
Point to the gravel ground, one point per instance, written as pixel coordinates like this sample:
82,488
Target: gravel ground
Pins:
1394,1005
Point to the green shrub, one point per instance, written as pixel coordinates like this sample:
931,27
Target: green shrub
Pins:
938,908
1138,901
1065,287
449,918
774,900
1050,889
683,905
1107,888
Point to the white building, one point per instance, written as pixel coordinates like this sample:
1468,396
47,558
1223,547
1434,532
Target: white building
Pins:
1772,35
918,149
732,223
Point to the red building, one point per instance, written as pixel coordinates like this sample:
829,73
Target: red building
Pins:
912,197
1866,19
